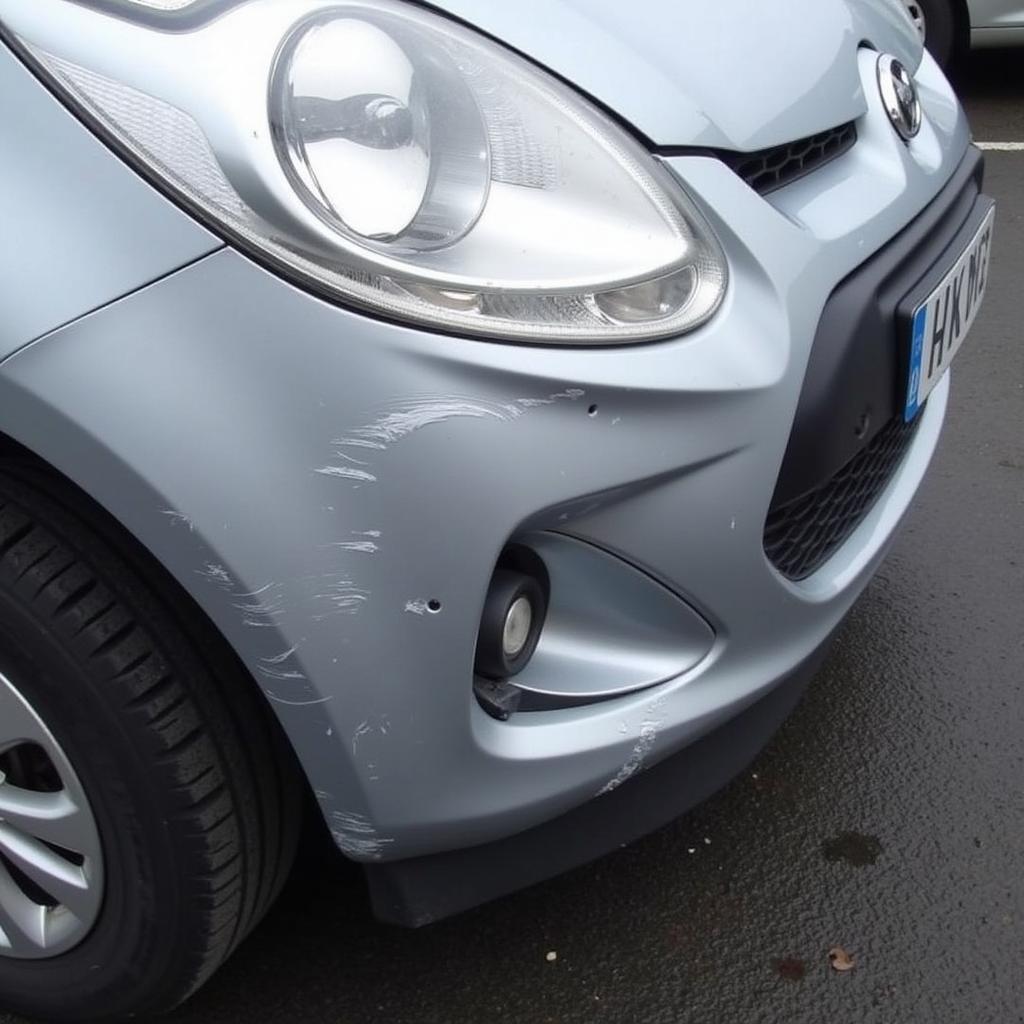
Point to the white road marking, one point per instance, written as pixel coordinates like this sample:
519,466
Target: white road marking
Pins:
1002,147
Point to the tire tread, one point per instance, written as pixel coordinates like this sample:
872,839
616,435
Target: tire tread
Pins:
230,784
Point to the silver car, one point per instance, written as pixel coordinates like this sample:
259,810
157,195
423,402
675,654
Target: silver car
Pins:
469,422
949,27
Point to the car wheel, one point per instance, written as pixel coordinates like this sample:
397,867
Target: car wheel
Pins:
149,809
938,23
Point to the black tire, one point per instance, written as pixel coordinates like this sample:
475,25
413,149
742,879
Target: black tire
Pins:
943,30
197,797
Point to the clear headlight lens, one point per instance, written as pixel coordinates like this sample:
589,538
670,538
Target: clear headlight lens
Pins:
395,160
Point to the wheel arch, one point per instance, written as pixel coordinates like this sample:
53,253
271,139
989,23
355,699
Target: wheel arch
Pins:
34,451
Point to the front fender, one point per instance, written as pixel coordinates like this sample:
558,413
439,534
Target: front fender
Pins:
78,228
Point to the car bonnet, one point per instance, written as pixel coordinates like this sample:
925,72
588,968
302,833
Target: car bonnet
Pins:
732,74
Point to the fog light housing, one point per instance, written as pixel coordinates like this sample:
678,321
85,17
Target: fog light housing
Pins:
510,626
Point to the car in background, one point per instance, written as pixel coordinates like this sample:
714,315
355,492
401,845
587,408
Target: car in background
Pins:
950,27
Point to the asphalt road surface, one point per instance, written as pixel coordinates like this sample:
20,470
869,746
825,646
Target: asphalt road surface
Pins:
887,818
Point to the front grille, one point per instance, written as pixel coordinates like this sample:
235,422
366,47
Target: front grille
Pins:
800,535
769,169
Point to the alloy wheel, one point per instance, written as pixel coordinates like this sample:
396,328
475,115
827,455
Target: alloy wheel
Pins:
916,12
51,862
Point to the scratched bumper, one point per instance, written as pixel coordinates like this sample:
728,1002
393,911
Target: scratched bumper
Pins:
314,477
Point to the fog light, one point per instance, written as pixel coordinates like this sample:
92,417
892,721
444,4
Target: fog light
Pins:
510,625
518,620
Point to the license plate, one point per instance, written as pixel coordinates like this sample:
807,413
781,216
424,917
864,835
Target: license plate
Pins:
942,321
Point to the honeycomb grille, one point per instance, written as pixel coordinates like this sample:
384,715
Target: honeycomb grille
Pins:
802,534
769,169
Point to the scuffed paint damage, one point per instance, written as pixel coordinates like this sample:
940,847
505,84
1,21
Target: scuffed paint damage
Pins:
348,472
335,594
261,606
363,729
216,574
379,725
285,683
327,586
405,418
295,703
276,666
367,547
356,836
179,519
326,594
649,727
284,668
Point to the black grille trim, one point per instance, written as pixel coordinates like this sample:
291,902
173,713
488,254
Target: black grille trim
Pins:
801,535
769,169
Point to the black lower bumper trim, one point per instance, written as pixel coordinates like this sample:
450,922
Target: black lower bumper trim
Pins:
855,381
425,889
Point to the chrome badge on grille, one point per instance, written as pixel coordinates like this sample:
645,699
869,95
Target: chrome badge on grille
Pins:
899,94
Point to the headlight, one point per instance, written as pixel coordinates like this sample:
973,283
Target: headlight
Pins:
393,159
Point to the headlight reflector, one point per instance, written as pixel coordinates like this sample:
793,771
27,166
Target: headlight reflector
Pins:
385,142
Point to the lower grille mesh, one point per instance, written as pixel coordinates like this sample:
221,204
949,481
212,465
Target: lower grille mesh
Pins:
800,535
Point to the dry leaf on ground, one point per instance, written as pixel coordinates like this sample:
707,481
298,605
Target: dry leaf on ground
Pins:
840,959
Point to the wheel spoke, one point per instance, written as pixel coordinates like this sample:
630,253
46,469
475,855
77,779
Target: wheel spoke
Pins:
51,860
66,883
51,817
22,922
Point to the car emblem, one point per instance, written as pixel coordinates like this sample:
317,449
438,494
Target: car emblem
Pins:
899,94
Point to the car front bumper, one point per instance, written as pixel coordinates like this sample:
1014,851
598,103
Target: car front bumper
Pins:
313,478
421,890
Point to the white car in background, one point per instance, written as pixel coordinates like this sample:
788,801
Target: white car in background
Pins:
949,27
